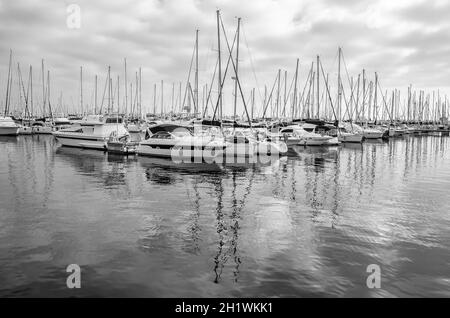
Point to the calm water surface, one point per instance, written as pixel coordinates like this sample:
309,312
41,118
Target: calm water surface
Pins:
308,224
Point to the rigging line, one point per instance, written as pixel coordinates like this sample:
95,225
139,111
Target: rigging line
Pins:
384,101
189,76
288,94
224,76
104,92
346,71
251,62
302,96
329,95
235,73
270,97
210,88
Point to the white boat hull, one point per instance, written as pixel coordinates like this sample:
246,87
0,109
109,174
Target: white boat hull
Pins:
348,137
373,134
25,130
318,141
90,142
179,151
9,131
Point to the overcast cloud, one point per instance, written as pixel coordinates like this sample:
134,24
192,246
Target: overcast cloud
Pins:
406,42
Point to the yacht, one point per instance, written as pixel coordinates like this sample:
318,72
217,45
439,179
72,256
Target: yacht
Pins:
8,127
168,140
346,136
347,133
309,137
368,133
91,132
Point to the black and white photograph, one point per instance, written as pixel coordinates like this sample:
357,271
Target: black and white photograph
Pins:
242,151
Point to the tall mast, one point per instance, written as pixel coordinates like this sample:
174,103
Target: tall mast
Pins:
140,92
162,97
7,84
154,100
81,88
237,65
118,98
95,95
48,95
294,104
219,82
179,98
43,89
285,92
375,107
339,87
363,93
278,91
109,88
126,84
196,72
131,99
317,89
31,89
253,101
409,103
173,96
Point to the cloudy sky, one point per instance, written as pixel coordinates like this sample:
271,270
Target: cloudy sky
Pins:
406,42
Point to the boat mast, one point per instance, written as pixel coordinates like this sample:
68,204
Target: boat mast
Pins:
237,68
95,95
118,94
253,101
109,88
173,96
219,82
162,98
294,104
43,89
126,85
339,87
196,73
31,90
278,93
81,89
285,92
8,92
140,92
48,95
154,100
375,106
317,89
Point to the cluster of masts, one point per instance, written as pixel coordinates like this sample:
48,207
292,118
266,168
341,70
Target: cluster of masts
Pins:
359,99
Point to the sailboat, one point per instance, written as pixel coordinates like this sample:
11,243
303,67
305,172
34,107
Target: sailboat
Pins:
7,125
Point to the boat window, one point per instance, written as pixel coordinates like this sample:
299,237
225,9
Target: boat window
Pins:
112,120
162,135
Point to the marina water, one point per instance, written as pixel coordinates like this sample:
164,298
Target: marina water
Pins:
307,224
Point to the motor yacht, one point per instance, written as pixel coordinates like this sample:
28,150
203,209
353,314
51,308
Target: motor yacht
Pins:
8,127
175,141
91,132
